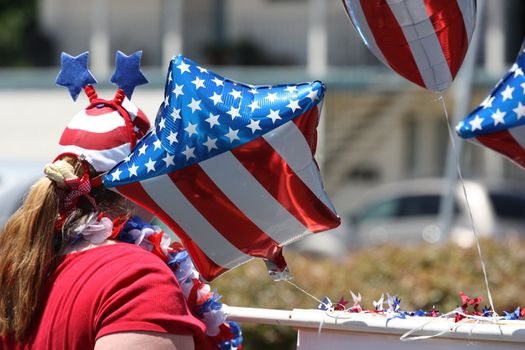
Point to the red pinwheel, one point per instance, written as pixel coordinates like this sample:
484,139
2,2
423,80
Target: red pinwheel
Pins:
424,41
465,302
341,304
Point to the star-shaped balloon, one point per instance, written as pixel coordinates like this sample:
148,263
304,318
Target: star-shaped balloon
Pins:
74,73
127,73
230,168
498,122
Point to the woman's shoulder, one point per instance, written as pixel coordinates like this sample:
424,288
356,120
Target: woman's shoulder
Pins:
119,256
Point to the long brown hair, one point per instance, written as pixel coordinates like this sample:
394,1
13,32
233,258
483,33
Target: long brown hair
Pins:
30,245
26,257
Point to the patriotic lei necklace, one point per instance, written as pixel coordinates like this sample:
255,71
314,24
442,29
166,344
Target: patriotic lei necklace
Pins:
203,302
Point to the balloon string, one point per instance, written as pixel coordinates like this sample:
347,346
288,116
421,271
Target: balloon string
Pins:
456,157
305,292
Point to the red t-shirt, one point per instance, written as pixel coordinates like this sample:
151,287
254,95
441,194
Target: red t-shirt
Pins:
108,289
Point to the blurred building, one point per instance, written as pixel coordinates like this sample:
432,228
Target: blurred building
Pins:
264,32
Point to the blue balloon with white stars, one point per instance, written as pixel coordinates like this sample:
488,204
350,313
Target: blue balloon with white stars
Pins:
204,114
74,73
499,121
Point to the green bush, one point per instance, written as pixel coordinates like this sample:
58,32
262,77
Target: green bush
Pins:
421,276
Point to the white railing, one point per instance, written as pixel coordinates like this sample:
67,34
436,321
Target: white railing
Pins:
319,329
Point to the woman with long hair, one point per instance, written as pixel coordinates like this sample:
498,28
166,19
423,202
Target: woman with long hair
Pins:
57,292
79,269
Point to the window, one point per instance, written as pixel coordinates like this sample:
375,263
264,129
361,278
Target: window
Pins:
379,211
410,206
419,205
508,206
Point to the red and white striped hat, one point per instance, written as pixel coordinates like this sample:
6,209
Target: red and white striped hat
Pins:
106,131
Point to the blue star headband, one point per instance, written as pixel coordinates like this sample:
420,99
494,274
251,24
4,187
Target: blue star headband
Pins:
127,72
75,75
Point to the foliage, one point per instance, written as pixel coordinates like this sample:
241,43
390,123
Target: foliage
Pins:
422,276
21,43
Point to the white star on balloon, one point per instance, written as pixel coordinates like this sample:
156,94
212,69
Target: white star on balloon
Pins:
189,152
116,174
254,126
150,165
232,135
212,120
183,67
211,144
199,83
487,102
234,112
194,105
168,160
313,95
191,129
218,82
178,90
142,149
175,114
507,93
476,123
498,117
519,110
291,89
272,97
216,98
293,105
133,170
172,137
274,115
236,94
254,105
162,123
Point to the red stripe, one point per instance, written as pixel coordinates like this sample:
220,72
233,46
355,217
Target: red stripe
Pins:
390,39
274,174
222,213
207,268
95,140
141,121
448,23
307,123
504,143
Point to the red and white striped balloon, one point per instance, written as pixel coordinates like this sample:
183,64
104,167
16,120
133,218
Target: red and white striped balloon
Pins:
425,41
